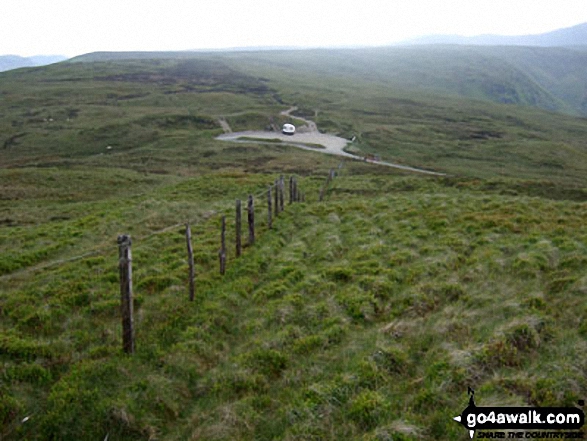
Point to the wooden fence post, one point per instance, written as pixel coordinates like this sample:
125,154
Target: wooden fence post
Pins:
222,252
269,223
321,194
125,269
296,195
291,189
238,228
251,216
192,274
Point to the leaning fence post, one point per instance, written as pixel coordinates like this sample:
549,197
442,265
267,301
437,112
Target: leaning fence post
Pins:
222,252
238,228
125,269
251,218
188,238
269,223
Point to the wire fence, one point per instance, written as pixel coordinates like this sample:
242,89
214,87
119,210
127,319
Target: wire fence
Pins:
125,261
108,246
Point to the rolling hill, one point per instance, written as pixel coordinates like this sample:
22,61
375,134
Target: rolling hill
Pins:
554,79
573,36
362,317
9,62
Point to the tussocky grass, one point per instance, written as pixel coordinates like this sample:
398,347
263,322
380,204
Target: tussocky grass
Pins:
363,317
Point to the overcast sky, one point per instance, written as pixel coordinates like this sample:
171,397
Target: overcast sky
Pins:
73,27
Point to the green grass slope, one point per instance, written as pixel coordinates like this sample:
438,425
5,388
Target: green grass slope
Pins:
363,317
548,78
71,113
561,71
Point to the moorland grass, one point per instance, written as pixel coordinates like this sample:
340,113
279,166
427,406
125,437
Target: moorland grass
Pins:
366,316
347,320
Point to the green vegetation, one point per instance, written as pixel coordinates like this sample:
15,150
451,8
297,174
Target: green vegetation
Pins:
313,145
363,317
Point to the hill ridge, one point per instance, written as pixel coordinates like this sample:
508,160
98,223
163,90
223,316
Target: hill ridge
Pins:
571,36
554,79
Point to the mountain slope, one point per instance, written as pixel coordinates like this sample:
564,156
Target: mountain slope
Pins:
550,78
397,106
9,62
554,79
366,316
573,36
362,317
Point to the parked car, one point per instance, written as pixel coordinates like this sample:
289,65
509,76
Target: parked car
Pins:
288,129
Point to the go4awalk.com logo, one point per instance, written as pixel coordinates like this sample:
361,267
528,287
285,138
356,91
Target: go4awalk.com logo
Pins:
536,422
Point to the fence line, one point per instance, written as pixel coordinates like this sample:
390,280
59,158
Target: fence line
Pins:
125,269
100,249
125,257
124,247
43,266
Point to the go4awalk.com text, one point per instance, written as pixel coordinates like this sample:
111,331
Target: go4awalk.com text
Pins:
522,422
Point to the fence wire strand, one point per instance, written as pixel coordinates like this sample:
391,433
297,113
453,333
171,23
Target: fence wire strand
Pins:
104,247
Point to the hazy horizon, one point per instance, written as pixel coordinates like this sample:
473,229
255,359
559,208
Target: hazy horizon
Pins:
62,27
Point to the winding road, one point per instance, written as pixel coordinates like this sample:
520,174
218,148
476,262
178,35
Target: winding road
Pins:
305,136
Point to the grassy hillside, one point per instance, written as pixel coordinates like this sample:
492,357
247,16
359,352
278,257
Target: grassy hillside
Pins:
548,78
575,36
365,316
71,113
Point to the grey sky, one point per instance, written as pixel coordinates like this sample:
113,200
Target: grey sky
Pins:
30,27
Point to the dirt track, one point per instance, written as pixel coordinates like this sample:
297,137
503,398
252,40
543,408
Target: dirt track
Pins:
309,134
332,144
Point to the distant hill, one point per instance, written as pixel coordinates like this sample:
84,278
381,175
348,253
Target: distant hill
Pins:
130,55
551,78
573,36
9,62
